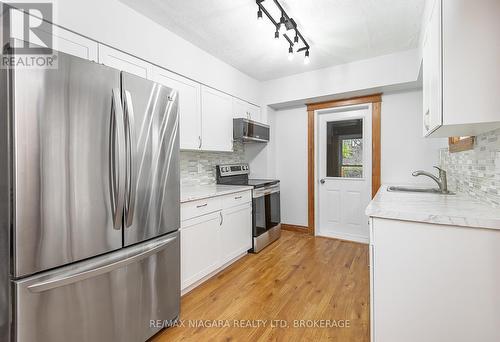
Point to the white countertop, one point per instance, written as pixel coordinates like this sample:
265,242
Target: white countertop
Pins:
194,193
456,210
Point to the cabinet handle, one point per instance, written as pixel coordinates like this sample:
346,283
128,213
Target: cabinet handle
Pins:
199,141
221,218
237,197
426,120
202,205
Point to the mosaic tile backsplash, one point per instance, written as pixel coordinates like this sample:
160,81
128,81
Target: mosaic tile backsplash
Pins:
476,172
198,167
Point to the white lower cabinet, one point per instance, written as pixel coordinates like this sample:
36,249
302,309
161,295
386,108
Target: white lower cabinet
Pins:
236,232
434,283
199,245
214,232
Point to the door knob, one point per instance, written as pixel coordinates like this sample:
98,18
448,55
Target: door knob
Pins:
322,181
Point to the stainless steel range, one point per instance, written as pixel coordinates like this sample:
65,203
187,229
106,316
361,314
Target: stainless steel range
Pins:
266,202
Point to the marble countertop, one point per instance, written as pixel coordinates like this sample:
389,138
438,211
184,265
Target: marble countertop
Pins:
194,193
456,210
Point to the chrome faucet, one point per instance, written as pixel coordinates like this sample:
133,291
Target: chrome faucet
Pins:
441,181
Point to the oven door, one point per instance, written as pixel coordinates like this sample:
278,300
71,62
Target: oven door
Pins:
266,209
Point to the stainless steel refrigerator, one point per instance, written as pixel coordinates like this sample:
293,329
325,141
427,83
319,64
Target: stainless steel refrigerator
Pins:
89,204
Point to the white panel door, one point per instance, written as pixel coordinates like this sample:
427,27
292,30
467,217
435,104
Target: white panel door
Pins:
236,231
62,40
199,247
125,62
216,120
344,170
189,106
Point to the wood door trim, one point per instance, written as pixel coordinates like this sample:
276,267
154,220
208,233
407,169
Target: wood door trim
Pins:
345,102
376,101
295,228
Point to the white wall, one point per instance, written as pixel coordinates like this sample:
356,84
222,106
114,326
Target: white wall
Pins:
290,162
404,150
394,70
113,23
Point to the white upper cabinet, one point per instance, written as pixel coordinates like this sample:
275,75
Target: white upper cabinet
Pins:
217,120
432,80
189,106
254,113
243,109
460,59
62,40
123,61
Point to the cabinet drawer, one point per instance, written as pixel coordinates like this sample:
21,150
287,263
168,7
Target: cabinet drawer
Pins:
229,201
201,207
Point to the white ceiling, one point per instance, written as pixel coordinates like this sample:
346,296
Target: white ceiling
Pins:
338,31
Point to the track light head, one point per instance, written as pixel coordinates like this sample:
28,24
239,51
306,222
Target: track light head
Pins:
290,53
307,60
277,34
259,14
282,28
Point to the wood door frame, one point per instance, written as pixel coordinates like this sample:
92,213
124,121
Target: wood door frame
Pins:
376,101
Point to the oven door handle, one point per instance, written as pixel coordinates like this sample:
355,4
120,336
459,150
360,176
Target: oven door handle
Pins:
266,193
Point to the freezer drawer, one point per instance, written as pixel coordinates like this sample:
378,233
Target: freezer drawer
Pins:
109,298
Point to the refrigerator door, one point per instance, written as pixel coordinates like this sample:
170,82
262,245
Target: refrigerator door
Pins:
68,138
152,202
114,297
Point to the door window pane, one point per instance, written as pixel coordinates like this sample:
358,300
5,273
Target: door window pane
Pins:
344,148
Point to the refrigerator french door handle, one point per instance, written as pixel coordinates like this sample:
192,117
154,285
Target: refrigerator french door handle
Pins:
74,276
117,174
132,159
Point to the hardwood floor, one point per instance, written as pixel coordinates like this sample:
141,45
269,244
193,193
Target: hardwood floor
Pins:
299,277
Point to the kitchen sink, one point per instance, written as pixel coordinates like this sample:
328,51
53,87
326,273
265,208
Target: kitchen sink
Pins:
420,190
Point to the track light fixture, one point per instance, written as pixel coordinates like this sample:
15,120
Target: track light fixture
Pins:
306,58
284,24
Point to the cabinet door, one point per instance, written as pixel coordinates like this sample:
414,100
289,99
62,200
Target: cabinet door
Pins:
243,109
217,120
62,40
189,106
125,62
254,113
432,76
199,247
240,109
236,231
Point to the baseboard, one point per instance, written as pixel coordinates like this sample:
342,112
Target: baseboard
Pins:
344,236
295,228
197,283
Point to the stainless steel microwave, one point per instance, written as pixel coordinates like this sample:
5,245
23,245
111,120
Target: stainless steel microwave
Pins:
250,131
